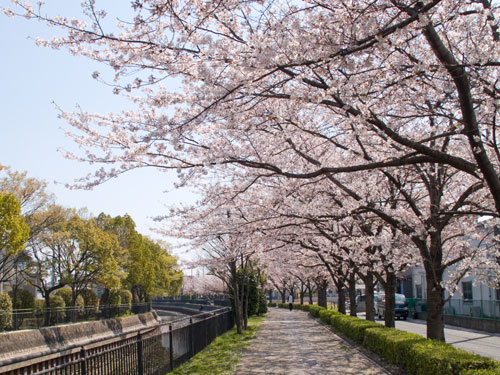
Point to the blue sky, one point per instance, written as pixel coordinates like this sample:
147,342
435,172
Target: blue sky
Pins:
33,78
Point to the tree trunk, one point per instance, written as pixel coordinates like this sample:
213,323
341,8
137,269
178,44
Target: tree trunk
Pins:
302,290
246,292
309,288
369,292
435,292
322,301
341,292
238,308
270,294
47,309
390,299
435,318
283,296
73,305
352,294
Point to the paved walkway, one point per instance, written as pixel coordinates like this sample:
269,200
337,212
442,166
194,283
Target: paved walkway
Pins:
291,343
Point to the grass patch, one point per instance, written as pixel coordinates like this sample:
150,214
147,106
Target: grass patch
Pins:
223,354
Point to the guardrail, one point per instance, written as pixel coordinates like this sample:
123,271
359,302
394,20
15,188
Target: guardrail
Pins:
151,351
37,318
196,301
477,309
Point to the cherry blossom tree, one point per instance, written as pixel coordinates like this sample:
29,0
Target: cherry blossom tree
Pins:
307,90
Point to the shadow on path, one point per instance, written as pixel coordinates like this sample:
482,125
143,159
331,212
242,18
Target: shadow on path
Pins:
292,343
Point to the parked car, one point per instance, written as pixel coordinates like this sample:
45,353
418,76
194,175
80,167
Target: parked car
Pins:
401,307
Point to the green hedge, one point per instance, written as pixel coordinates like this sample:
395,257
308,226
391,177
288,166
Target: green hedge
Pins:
89,297
315,309
305,307
435,357
414,353
24,299
271,304
5,311
351,326
126,298
495,371
326,315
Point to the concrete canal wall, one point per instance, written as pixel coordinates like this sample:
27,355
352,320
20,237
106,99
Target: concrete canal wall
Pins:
20,345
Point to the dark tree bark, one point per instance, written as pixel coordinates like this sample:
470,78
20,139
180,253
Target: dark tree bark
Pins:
390,300
322,300
352,294
310,292
302,292
369,294
238,306
435,292
341,302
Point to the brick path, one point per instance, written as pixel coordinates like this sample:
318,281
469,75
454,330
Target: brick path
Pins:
291,343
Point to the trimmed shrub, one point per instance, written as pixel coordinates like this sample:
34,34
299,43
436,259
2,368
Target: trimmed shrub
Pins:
305,307
110,297
391,343
325,315
272,304
126,298
351,326
421,356
262,309
315,309
24,299
65,294
495,371
5,311
435,357
57,306
89,297
39,306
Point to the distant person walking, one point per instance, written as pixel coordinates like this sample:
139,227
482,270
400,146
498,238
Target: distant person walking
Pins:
290,302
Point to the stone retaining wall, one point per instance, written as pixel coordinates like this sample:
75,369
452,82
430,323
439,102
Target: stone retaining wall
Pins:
20,345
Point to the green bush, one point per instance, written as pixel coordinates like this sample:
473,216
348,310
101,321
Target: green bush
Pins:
262,309
272,304
89,297
305,307
351,326
421,356
315,309
5,311
435,357
390,343
325,315
65,294
39,306
110,297
495,371
57,305
126,298
24,299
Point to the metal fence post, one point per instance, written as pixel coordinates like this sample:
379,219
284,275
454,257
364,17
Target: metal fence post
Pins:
140,366
191,340
83,366
171,341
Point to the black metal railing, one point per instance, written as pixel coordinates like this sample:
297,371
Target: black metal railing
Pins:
149,351
474,309
197,301
37,318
